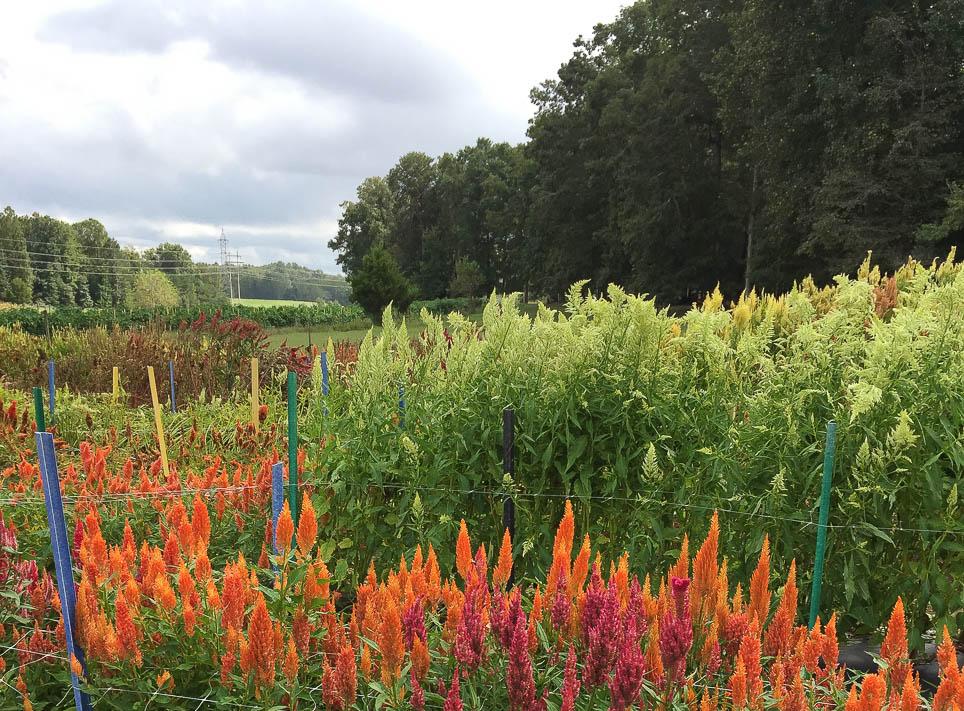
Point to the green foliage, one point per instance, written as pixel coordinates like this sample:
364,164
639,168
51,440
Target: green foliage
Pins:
16,276
441,307
427,212
57,262
379,282
363,223
106,266
152,288
652,421
38,322
467,280
953,220
176,262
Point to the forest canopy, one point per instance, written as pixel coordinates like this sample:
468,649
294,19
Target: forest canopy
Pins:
690,142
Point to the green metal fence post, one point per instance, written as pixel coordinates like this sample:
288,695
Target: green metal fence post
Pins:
38,409
828,455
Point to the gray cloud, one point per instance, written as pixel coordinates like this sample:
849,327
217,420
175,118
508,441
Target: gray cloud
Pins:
331,45
391,94
118,27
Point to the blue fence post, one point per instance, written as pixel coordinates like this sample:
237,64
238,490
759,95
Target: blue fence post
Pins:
293,446
401,406
170,367
277,499
63,565
51,385
324,373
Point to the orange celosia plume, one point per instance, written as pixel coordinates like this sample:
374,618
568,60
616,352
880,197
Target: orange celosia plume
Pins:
261,643
307,528
391,644
580,568
779,633
503,568
760,585
201,522
705,572
893,649
285,530
463,552
560,567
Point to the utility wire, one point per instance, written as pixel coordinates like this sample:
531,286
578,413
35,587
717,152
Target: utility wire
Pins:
128,271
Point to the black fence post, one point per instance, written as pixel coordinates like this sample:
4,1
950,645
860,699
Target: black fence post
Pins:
508,467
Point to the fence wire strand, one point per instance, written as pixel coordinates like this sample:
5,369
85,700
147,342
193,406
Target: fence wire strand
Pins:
863,527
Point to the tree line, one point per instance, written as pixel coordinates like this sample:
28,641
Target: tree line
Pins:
690,142
48,261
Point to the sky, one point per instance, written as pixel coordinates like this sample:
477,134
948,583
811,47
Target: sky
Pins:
172,119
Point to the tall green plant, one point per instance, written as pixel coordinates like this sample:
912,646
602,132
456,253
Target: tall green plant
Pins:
653,421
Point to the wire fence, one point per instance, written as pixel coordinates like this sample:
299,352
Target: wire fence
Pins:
711,503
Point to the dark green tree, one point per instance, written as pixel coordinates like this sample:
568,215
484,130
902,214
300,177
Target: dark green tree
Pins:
950,229
130,263
847,123
630,181
57,261
379,282
411,182
101,262
16,274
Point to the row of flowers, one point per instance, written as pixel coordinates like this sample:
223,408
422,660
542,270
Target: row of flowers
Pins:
160,619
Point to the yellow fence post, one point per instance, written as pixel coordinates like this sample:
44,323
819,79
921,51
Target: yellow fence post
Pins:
157,421
116,388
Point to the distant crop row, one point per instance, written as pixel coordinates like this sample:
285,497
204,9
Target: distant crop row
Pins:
38,322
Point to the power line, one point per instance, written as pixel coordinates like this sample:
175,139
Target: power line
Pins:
123,262
246,270
114,259
117,267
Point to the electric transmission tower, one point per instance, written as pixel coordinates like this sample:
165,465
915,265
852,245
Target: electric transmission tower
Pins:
226,280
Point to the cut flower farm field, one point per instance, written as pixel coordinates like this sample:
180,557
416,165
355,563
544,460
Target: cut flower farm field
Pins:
647,422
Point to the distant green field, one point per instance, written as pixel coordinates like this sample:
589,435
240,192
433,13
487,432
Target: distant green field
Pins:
270,302
319,336
302,337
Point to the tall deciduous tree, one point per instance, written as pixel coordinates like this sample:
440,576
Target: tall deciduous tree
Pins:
688,142
57,261
152,288
16,274
100,260
364,221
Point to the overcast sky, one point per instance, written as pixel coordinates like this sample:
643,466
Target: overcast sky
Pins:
167,119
